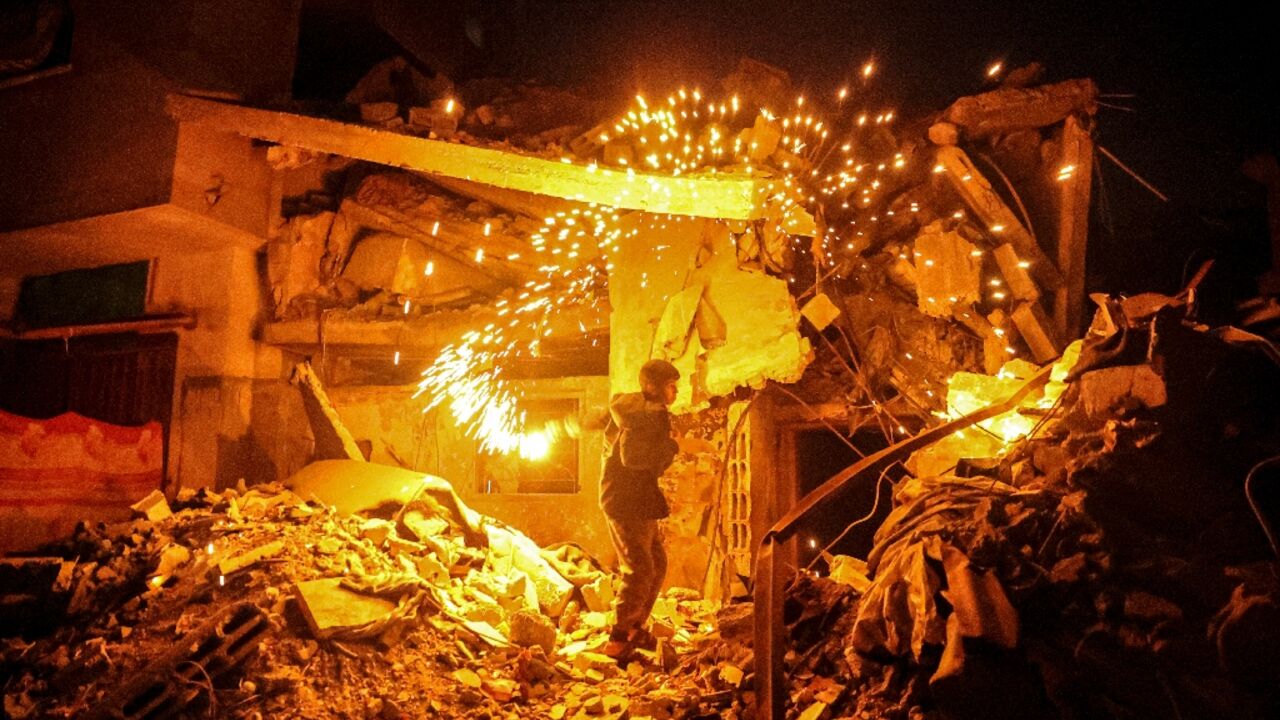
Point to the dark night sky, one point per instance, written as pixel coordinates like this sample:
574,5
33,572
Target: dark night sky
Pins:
1205,80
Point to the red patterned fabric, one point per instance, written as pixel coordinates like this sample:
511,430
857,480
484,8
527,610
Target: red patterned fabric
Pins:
56,472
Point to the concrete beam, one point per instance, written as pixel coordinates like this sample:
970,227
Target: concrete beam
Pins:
726,196
999,220
119,237
1072,200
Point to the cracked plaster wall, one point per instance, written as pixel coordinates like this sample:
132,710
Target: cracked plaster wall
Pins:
399,434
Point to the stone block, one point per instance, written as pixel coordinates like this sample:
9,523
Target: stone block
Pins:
532,628
598,595
383,261
153,507
329,607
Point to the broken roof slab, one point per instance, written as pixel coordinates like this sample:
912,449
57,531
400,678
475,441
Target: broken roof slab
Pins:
117,237
720,196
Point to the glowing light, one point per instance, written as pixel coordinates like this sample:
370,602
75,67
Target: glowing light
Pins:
868,69
448,106
429,269
995,69
535,445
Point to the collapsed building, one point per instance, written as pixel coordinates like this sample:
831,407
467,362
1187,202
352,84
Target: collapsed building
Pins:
296,464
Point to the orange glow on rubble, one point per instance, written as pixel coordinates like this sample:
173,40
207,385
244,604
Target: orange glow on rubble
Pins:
970,392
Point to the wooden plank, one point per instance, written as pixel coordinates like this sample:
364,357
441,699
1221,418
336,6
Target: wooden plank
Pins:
991,211
724,196
329,608
1073,225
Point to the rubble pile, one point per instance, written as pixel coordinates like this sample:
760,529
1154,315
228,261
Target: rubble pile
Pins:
1111,565
533,118
258,603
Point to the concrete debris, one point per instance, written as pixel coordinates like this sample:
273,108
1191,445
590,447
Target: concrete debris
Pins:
318,613
378,112
1103,563
947,272
388,262
153,507
820,311
1019,108
246,559
329,607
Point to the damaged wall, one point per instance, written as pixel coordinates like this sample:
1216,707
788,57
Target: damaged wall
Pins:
678,292
221,370
390,420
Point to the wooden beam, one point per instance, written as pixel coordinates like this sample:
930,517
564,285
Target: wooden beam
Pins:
998,219
1073,225
731,197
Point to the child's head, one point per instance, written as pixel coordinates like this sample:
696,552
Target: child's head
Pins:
658,381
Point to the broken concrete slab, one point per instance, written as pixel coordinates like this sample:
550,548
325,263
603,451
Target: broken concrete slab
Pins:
153,507
510,551
329,607
1106,392
1020,108
820,311
383,261
948,273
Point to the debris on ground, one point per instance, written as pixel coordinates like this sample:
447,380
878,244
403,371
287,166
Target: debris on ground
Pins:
1110,565
260,603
